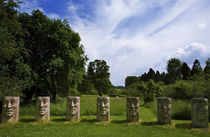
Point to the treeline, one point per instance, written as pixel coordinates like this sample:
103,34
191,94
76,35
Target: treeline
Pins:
180,81
43,57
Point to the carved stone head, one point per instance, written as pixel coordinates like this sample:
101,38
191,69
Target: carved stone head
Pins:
10,109
103,109
132,109
199,112
164,110
42,108
73,108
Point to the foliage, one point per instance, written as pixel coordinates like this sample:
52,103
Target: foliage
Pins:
15,72
186,71
174,67
151,74
153,90
98,74
38,56
145,90
87,87
207,69
136,89
196,69
57,56
130,80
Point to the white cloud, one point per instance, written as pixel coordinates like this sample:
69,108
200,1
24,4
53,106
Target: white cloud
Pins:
202,25
165,36
53,16
29,5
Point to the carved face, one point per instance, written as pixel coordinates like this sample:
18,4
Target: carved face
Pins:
133,106
165,109
43,103
201,110
73,105
10,105
103,105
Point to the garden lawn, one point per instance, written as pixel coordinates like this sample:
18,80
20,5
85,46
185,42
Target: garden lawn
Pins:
89,127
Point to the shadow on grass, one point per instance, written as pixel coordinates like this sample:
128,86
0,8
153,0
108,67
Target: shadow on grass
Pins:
184,126
27,120
151,123
89,120
119,121
58,119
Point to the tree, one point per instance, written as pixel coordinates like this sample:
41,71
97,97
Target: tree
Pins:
183,90
87,87
157,76
130,80
207,67
151,74
136,89
144,77
98,74
174,70
163,77
196,69
185,71
57,56
103,85
15,72
153,90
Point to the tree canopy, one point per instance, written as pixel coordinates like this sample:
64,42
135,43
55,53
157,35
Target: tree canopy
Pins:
38,56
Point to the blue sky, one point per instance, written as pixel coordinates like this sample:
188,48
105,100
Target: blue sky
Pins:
134,35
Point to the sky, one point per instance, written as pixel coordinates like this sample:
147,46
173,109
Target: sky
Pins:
135,35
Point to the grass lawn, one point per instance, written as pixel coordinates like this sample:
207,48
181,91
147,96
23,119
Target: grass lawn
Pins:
89,127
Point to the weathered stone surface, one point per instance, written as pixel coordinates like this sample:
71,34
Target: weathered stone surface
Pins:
42,109
164,110
73,108
132,109
10,109
103,109
199,112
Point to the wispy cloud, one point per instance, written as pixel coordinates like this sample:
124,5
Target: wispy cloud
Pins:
135,35
29,5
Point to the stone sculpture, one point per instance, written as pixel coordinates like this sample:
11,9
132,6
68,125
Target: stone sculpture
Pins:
73,108
164,110
132,109
199,112
10,109
42,109
103,109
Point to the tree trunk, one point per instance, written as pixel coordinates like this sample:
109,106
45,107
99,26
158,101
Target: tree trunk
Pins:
54,97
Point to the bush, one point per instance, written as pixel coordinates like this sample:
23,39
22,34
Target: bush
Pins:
181,109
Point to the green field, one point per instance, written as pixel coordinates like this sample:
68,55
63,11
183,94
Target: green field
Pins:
89,127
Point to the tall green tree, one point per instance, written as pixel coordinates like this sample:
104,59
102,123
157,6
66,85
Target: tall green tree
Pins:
130,80
151,74
98,73
174,69
153,90
57,56
185,71
15,72
144,77
157,76
207,67
196,68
